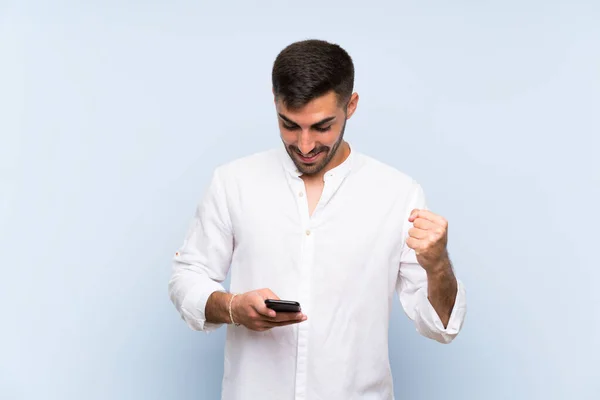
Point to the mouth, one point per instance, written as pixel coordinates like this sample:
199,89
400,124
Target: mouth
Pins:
309,160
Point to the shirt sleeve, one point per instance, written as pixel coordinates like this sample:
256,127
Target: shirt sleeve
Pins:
411,287
201,264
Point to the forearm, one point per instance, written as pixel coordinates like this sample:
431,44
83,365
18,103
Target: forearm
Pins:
441,290
217,308
189,290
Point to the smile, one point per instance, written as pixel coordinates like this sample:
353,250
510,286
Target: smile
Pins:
309,160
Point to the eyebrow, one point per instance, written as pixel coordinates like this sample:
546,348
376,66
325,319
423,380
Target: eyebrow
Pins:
315,125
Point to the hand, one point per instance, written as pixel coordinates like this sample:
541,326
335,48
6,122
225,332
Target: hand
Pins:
428,238
249,309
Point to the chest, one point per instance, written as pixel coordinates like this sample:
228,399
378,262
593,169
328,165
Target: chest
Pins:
346,222
314,191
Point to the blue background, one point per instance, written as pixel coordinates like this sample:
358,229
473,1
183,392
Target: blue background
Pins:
113,115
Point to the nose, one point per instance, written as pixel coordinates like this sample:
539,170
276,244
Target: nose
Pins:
306,143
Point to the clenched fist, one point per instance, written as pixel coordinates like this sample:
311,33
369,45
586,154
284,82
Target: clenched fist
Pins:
428,238
249,309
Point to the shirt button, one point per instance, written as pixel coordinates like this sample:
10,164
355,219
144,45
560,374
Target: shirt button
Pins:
300,194
307,232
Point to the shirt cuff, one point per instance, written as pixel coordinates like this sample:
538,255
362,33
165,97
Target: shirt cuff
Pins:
429,323
194,306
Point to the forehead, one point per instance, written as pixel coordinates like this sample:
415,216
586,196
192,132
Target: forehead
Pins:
314,111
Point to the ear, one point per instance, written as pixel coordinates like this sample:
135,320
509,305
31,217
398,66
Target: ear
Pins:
352,104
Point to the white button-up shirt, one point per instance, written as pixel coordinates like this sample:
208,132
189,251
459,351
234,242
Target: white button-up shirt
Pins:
343,264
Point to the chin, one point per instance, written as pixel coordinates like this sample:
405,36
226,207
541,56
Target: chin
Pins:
310,169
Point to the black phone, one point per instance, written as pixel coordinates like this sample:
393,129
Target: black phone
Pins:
283,305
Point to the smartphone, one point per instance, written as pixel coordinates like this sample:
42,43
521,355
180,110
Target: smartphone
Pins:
283,305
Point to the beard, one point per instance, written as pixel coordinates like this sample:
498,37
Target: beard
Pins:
319,165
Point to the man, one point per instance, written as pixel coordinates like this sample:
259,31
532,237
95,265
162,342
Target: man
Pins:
319,223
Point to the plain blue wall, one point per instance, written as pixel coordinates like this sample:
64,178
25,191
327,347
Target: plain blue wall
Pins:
113,115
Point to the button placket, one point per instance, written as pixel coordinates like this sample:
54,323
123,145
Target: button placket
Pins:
308,224
306,264
307,261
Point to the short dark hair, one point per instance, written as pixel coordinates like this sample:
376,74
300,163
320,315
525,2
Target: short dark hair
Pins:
308,69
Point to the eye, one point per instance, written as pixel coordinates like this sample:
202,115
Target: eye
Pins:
289,127
323,129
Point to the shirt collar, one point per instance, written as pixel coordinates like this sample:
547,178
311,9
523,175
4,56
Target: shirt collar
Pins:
340,171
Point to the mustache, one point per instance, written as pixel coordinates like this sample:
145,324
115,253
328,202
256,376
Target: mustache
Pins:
313,152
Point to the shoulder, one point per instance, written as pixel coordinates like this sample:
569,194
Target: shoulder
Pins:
385,176
386,183
255,164
250,163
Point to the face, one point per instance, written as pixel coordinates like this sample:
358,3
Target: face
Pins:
314,134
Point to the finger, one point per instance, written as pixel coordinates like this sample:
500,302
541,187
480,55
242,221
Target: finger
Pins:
433,230
265,311
416,244
418,233
274,324
413,214
291,322
430,216
262,309
264,325
288,316
424,224
284,317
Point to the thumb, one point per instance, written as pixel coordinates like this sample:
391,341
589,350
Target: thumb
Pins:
260,305
268,294
413,215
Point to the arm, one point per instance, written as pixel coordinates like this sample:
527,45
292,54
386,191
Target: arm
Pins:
217,308
202,262
249,309
428,290
442,288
